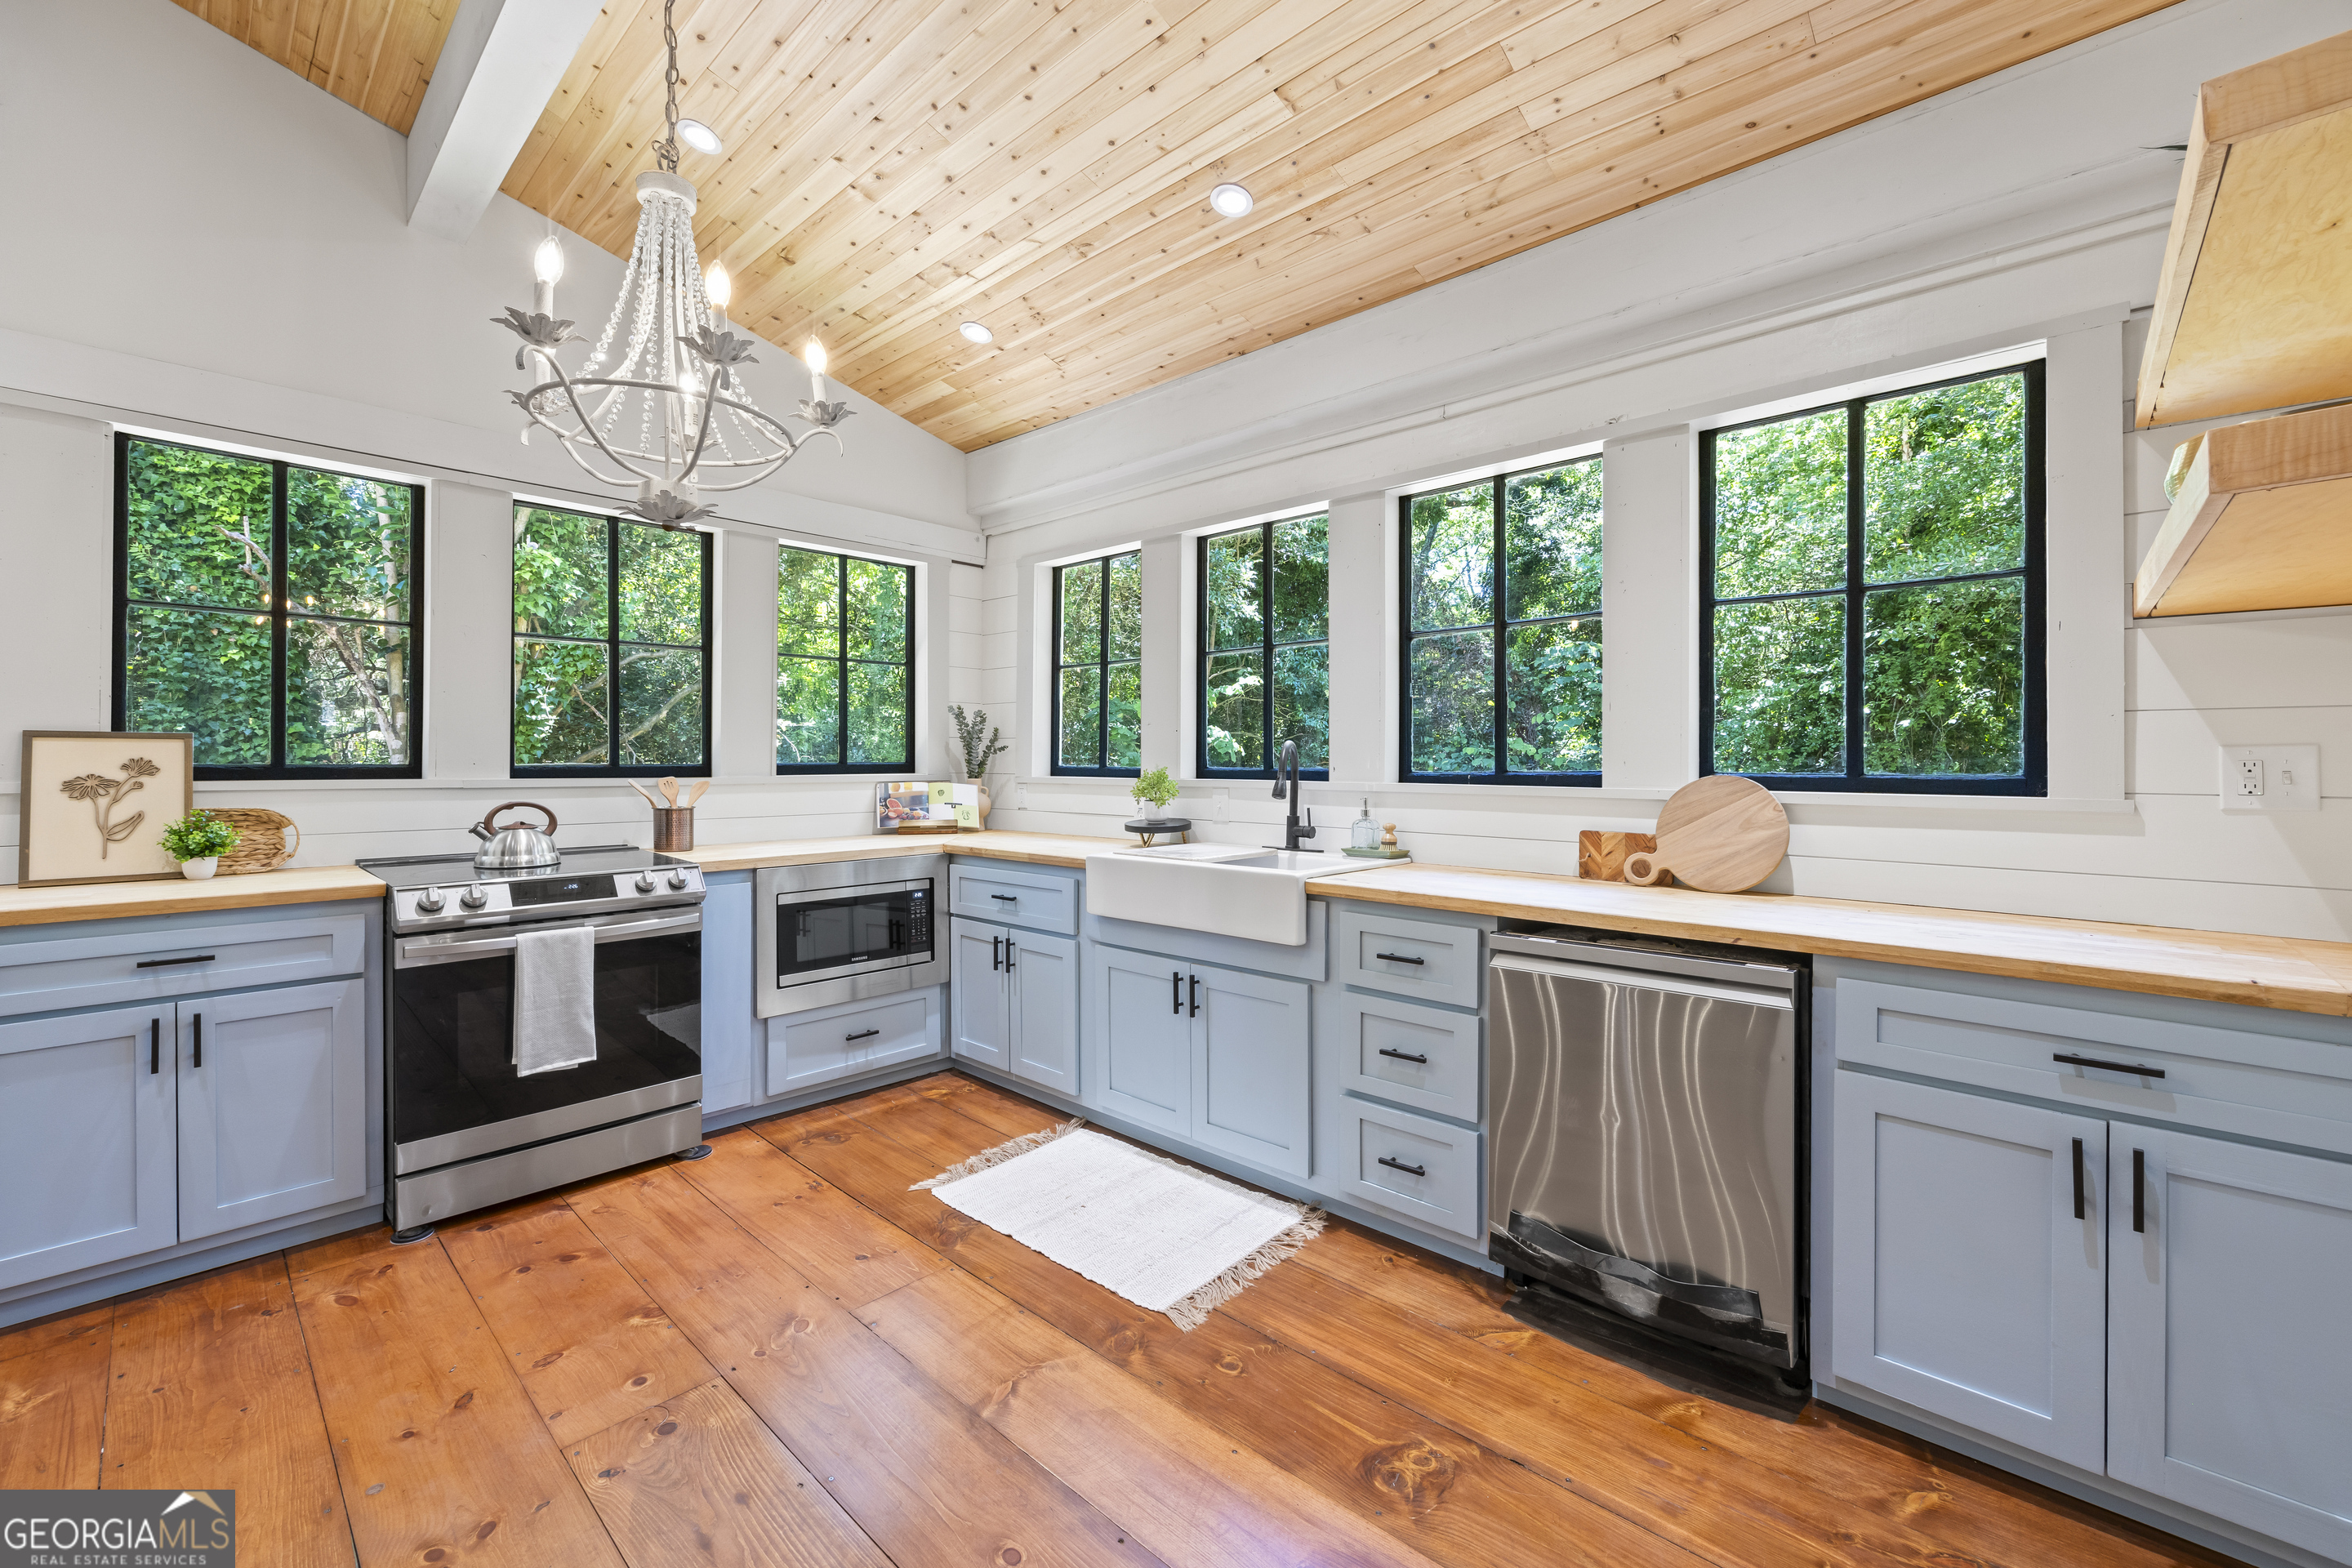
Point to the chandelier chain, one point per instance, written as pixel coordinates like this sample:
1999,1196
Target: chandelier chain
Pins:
665,153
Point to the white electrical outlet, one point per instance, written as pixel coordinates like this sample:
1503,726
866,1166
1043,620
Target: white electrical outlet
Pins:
2270,778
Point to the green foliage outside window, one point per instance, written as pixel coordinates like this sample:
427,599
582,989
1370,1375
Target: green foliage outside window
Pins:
1938,518
610,666
1098,669
1503,637
1265,610
845,663
209,639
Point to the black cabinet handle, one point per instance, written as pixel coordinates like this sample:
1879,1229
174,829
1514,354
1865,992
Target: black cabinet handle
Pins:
996,953
1008,955
2078,1178
168,962
861,1035
1175,991
1400,1165
200,1039
1399,958
1196,997
1404,1056
154,1045
2075,1061
1005,898
2139,1189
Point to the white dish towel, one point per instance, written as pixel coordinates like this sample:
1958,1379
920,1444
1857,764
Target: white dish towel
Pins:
554,1000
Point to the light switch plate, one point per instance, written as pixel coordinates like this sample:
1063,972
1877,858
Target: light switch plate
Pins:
2270,778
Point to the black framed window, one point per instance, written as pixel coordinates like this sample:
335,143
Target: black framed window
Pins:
272,609
1099,666
1501,583
845,664
611,646
1871,593
1265,619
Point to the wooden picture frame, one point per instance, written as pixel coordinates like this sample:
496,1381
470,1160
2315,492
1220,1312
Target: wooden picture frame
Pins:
74,826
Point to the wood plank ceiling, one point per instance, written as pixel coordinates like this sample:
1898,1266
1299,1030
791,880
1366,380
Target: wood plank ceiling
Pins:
896,167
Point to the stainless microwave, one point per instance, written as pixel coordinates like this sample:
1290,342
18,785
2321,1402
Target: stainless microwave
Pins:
847,931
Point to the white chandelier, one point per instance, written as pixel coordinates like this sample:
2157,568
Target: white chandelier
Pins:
668,417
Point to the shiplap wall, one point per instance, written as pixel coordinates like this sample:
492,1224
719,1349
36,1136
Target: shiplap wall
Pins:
2043,221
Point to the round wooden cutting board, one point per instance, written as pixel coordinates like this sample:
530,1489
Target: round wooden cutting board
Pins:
1723,834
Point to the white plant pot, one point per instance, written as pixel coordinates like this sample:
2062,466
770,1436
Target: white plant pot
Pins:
199,870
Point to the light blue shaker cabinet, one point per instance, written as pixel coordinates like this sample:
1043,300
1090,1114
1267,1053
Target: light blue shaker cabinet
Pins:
87,1141
1250,1049
981,1000
1138,1039
272,1104
1042,1009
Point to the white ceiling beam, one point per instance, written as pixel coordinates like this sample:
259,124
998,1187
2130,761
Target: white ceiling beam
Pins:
500,65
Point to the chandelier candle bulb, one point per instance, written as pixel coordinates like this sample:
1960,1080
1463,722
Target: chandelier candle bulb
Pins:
715,285
547,269
813,355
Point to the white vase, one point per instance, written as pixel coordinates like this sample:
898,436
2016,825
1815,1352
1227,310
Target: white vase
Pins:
198,870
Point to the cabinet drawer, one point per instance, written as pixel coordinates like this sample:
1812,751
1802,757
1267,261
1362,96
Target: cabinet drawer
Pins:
1424,959
1016,898
2253,1085
1414,1165
809,1048
146,966
1404,1052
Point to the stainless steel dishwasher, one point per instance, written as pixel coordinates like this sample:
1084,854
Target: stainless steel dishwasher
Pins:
1644,1107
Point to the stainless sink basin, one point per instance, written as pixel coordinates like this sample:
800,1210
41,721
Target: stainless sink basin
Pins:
1231,890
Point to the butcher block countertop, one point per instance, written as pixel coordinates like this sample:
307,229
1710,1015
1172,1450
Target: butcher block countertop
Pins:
1036,849
113,900
2299,975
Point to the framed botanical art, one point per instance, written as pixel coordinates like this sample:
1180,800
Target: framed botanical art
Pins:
96,803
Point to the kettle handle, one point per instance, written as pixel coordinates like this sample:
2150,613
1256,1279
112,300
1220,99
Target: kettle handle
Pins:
492,827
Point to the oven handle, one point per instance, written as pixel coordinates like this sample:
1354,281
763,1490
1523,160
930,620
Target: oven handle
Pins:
412,952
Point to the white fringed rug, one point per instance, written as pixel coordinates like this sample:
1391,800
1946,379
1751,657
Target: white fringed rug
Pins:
1168,1237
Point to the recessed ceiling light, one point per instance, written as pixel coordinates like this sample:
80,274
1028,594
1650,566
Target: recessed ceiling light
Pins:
976,332
699,136
1231,201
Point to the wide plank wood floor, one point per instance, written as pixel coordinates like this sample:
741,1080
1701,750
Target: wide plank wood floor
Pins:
782,1355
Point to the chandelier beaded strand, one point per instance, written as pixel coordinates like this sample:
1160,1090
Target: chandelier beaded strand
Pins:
676,372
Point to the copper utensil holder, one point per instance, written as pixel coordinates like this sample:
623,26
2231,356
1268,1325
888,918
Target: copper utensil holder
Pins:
673,828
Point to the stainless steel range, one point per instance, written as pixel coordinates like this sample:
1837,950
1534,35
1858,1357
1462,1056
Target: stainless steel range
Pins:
467,1128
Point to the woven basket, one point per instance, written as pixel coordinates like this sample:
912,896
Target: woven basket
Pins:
260,839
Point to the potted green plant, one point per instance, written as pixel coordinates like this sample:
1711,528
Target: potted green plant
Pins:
977,740
1153,791
197,841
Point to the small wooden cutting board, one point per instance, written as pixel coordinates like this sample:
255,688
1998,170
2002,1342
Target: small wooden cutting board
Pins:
1600,857
1722,834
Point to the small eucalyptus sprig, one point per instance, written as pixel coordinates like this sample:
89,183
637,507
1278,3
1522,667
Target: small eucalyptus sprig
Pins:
977,738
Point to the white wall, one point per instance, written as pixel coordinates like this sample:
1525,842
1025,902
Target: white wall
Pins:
2021,209
206,245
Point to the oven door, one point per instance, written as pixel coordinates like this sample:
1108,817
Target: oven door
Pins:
826,932
455,1092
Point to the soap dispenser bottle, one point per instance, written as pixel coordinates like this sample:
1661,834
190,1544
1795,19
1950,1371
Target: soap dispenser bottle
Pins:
1364,833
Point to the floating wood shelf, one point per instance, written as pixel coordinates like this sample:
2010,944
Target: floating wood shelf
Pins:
2264,521
2253,310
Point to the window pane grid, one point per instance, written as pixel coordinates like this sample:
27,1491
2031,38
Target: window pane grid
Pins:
845,663
1264,620
308,672
1098,675
589,698
1903,678
1501,585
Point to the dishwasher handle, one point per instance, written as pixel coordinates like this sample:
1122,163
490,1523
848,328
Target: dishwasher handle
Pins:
1643,980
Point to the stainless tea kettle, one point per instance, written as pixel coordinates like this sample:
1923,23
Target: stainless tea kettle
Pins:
516,845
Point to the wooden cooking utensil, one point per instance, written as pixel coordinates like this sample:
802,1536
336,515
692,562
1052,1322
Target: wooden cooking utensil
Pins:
696,792
641,789
1722,834
1600,857
669,791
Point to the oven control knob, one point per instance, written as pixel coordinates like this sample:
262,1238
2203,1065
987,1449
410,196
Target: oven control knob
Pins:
676,881
430,901
645,881
474,898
